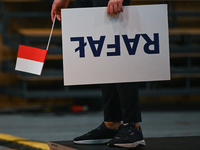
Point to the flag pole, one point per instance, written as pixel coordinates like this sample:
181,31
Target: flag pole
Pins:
51,32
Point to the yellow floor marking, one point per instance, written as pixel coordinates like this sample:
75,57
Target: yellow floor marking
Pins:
34,144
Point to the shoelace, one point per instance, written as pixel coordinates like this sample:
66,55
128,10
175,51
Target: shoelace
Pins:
124,130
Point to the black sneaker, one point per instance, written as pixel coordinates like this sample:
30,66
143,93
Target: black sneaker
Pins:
128,137
100,135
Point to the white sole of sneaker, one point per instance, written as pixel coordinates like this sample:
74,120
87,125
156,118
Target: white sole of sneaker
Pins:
132,145
98,141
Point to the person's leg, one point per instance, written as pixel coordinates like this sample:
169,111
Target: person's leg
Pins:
130,103
112,109
112,119
130,134
107,130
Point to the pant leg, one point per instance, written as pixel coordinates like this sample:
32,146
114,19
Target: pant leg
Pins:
111,104
129,100
121,102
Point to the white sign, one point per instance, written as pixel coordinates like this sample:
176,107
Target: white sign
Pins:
128,47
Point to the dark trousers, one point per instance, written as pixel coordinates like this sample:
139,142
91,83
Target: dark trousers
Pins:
121,100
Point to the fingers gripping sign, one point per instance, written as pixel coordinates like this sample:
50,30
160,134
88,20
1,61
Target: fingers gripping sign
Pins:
114,6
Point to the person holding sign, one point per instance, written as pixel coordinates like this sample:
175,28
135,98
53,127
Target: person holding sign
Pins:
121,100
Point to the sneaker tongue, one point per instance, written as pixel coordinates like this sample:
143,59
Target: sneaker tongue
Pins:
125,124
128,124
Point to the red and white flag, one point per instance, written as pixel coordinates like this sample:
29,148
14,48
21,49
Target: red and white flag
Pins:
30,59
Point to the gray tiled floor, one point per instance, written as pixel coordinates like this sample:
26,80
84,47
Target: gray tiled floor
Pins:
49,127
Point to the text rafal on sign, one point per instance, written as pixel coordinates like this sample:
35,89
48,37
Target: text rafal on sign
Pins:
96,50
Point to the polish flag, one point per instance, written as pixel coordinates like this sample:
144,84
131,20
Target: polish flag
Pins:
30,59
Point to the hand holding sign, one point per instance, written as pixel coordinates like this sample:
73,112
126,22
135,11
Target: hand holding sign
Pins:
114,6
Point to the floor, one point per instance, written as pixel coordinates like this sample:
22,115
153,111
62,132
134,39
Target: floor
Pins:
50,127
